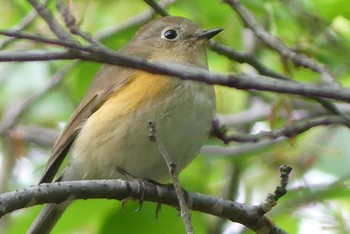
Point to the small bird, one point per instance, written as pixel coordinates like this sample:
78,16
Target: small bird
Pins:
108,130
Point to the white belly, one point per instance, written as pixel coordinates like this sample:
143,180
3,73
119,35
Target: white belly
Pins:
183,121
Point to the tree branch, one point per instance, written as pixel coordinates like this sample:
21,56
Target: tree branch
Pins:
53,24
184,211
280,191
58,192
277,45
25,22
248,58
241,150
291,130
141,18
157,7
239,81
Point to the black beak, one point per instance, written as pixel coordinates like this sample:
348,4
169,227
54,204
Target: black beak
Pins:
207,34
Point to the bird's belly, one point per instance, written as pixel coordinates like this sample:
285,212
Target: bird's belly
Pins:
106,143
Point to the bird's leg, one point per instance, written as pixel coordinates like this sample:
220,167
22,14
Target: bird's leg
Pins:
141,187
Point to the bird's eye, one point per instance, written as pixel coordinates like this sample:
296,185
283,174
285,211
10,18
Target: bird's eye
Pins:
170,34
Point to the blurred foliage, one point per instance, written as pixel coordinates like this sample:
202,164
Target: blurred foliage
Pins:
318,198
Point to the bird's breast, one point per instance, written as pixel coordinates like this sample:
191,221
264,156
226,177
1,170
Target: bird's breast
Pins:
116,135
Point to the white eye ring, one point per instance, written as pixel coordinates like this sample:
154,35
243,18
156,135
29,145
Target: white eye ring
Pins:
170,34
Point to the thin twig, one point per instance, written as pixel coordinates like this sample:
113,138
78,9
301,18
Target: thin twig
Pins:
248,58
70,22
185,212
263,70
258,110
40,55
136,20
291,130
240,150
271,201
157,7
281,190
277,45
53,24
41,39
25,22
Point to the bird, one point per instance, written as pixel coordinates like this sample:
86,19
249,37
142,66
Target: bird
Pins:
108,130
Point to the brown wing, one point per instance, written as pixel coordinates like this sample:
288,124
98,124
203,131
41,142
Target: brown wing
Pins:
109,80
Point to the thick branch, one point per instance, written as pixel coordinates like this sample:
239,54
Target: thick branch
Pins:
118,189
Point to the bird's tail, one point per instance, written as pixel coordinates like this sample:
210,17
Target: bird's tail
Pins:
47,218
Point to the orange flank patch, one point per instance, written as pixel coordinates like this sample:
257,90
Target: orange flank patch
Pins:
141,88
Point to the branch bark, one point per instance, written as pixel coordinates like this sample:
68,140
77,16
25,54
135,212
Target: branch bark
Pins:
58,192
239,81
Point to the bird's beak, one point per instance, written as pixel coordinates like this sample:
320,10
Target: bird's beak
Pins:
207,34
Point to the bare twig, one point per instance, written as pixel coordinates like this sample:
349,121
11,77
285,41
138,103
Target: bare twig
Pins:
40,55
136,20
185,212
280,190
243,57
53,24
37,38
277,45
291,130
157,7
263,70
26,21
241,150
70,22
258,110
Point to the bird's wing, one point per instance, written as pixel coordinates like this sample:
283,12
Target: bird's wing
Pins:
109,80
